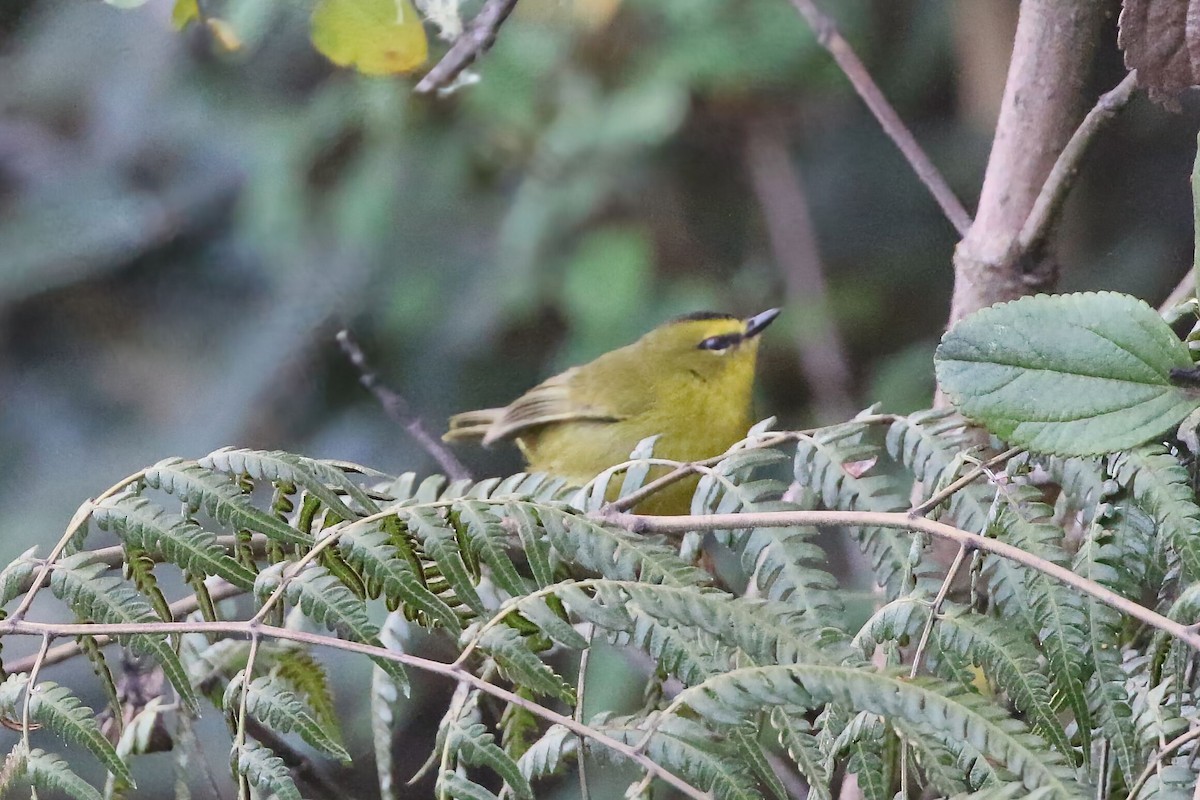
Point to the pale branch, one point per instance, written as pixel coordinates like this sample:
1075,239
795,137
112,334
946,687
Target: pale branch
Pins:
254,630
970,477
479,36
1163,752
398,409
832,41
1047,208
883,519
1184,290
179,610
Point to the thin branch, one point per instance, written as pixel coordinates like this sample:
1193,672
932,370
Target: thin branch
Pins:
1155,762
1047,208
1184,290
936,608
179,610
580,688
881,519
830,39
970,477
250,630
479,36
396,407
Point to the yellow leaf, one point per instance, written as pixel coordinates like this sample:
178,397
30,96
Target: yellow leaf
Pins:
375,37
183,13
225,35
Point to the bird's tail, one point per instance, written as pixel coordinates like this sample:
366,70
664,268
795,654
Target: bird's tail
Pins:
471,424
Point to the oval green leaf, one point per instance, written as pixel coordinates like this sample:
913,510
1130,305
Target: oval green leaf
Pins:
375,37
1074,374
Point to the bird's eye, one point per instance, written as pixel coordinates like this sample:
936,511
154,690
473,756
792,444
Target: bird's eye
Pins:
719,344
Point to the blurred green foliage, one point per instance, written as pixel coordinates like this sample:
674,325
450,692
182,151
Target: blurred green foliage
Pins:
182,229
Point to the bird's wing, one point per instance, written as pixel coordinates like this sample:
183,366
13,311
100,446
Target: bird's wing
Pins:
471,424
549,402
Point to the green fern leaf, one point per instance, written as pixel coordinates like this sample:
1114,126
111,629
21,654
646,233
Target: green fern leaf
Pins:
929,704
780,559
534,541
745,742
56,708
276,466
202,488
547,756
279,708
265,771
459,788
475,746
489,541
53,773
16,577
704,759
373,553
521,665
1052,612
824,464
616,553
325,600
106,600
440,542
796,738
143,525
1162,486
306,676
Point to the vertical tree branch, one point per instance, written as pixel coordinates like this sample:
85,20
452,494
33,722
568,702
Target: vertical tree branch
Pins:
1052,58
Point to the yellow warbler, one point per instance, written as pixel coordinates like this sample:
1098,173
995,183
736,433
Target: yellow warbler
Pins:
688,381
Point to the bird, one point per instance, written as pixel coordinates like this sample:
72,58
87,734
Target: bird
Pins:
688,381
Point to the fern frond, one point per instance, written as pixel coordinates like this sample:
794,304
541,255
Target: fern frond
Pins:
615,553
221,498
824,464
143,525
521,665
327,601
780,561
1053,613
534,541
796,737
547,756
473,744
1161,486
374,553
489,541
459,788
440,542
104,599
265,771
277,466
280,709
926,703
15,577
62,712
52,773
704,759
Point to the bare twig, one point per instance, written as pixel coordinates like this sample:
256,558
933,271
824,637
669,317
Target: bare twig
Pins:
1048,207
1183,291
1162,753
881,519
580,689
970,477
780,191
479,36
250,630
398,409
830,39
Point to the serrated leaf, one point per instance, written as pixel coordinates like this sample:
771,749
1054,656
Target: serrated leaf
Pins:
1075,375
266,772
53,773
375,37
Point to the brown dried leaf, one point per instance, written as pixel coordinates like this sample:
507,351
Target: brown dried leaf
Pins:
1161,40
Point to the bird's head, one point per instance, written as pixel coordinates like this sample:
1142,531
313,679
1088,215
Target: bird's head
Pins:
708,346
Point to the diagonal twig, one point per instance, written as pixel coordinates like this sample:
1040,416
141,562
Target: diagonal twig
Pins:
398,409
1049,203
831,39
479,36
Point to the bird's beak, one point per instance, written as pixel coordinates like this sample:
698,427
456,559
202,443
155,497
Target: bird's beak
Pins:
758,323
